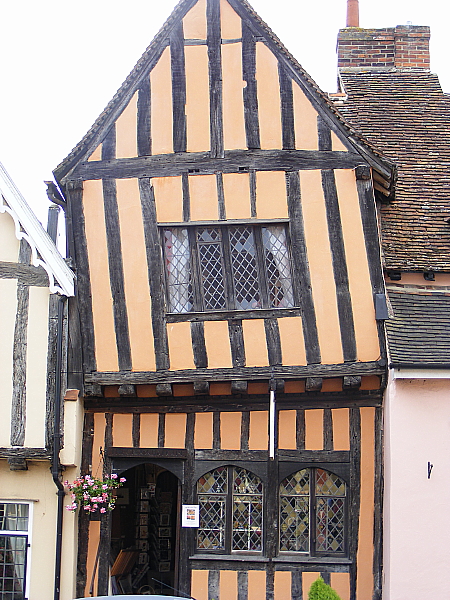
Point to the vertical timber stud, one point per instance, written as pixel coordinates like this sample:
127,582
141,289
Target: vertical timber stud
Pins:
378,496
187,534
297,586
198,344
302,279
213,584
327,429
236,335
155,273
242,583
301,428
144,136
336,237
105,523
84,297
186,197
178,88
355,490
136,430
250,96
287,109
215,77
109,144
116,274
273,341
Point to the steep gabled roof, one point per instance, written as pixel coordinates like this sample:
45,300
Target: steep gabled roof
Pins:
320,100
43,251
407,116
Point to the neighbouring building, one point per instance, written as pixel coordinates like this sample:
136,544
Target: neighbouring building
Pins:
227,336
34,280
389,95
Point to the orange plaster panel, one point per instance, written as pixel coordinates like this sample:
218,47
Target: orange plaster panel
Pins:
149,430
203,196
194,23
183,389
258,387
294,387
271,195
168,199
255,343
230,430
340,582
126,130
336,143
111,391
258,438
230,21
96,155
321,267
93,541
161,105
314,429
283,585
256,585
269,104
203,431
305,121
220,389
236,188
199,585
180,346
332,384
122,430
175,436
367,343
364,580
217,341
232,97
308,578
102,305
146,391
370,382
292,342
98,442
137,291
197,98
287,429
341,428
228,585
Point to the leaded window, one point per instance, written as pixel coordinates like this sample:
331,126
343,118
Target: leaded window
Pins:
238,267
313,513
231,511
13,550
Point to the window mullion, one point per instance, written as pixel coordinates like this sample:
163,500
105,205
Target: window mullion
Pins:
228,271
312,509
229,513
261,266
195,269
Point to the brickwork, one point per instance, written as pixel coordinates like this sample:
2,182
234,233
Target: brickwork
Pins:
401,47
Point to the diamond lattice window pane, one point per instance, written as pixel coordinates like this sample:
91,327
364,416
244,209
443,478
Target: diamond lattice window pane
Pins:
329,484
245,270
247,523
278,267
294,523
245,482
330,520
214,482
296,484
177,259
211,533
211,268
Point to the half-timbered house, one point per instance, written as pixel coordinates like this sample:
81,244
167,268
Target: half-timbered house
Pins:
34,281
230,307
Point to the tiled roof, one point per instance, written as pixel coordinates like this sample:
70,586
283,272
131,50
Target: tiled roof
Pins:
419,333
407,117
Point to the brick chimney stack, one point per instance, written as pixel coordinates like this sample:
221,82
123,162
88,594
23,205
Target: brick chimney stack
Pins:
405,47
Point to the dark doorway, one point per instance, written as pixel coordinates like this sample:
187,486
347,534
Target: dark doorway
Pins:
144,534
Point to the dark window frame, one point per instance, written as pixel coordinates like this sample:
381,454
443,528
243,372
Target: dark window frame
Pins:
194,289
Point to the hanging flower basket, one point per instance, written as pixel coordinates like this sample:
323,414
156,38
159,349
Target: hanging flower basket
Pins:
94,495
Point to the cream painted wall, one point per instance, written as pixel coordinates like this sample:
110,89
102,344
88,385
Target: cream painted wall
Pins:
8,307
9,244
416,526
37,484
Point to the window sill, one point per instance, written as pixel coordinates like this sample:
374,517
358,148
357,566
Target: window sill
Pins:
225,315
284,558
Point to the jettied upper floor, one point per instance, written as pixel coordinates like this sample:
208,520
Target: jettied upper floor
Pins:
222,216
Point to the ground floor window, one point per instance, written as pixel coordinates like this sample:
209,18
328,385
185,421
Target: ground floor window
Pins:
14,544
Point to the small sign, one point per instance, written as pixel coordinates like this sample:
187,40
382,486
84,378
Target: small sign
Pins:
190,515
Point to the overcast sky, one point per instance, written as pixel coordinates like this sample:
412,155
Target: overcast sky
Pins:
63,61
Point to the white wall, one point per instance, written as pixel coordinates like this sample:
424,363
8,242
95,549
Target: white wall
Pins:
416,522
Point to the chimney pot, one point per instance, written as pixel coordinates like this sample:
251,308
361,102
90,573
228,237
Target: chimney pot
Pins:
352,13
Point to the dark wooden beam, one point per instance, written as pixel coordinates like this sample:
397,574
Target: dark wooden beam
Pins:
249,90
25,274
215,77
287,109
144,137
178,88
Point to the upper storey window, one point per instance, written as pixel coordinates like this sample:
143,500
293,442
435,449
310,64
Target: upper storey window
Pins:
239,267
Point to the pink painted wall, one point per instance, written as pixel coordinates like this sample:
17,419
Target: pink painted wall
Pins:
417,527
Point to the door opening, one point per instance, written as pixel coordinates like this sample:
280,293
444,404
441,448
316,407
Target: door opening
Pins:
145,532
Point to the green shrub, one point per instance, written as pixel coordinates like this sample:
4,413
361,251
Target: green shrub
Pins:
321,591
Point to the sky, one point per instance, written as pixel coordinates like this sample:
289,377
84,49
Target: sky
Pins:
63,61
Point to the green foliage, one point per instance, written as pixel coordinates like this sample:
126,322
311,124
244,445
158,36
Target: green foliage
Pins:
321,591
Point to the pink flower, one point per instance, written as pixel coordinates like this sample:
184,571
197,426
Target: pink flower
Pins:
113,476
87,508
103,510
122,480
104,487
